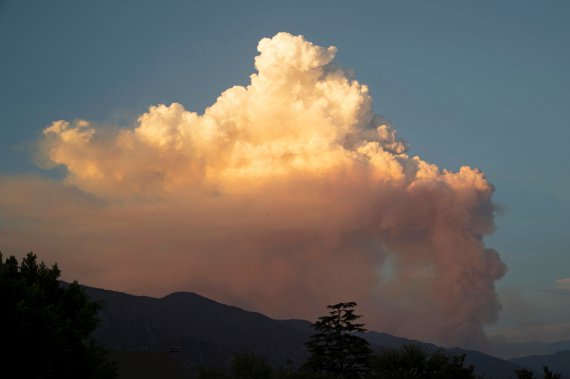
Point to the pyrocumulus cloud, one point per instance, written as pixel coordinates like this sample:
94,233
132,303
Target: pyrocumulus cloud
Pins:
284,195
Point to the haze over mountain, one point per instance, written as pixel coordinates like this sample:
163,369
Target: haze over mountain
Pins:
558,362
510,350
200,331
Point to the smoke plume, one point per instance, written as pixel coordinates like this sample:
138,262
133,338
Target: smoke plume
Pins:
284,195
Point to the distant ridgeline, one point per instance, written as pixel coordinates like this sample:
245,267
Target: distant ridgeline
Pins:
191,331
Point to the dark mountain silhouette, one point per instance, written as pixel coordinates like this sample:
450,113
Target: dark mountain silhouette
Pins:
390,341
485,365
508,350
195,330
558,362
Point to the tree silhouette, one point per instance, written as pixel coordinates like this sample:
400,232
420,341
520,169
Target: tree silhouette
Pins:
206,372
524,373
528,374
415,362
46,327
247,365
550,374
335,349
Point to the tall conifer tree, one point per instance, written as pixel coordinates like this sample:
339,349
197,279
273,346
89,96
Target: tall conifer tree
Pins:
335,349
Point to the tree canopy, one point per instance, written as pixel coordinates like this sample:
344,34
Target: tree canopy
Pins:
335,349
416,362
47,326
528,374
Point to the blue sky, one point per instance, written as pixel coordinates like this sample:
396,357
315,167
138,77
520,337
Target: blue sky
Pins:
481,83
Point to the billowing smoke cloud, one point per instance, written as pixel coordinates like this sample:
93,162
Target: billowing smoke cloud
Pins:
285,195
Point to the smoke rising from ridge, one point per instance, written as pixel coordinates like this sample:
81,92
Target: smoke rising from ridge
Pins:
288,194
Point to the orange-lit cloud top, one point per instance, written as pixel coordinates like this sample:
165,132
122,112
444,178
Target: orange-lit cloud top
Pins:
288,194
299,115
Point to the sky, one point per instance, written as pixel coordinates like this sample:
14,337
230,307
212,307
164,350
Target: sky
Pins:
217,194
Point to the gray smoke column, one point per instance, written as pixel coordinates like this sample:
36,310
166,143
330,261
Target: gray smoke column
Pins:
284,195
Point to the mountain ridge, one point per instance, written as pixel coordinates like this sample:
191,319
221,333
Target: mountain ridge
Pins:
557,362
202,331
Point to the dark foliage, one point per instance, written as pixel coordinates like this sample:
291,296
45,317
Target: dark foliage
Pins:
46,327
206,372
248,366
523,373
334,349
527,374
407,362
549,374
415,362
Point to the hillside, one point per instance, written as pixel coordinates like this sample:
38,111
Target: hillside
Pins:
558,362
508,350
197,330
